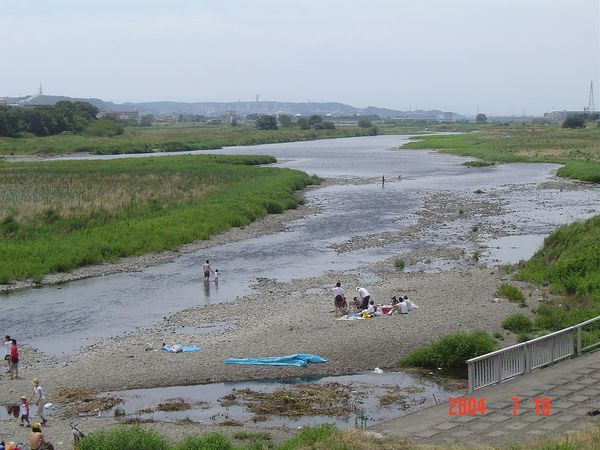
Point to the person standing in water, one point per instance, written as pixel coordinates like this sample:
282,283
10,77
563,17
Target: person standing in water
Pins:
382,180
207,270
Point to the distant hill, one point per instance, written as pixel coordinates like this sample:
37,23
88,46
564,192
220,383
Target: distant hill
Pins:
241,108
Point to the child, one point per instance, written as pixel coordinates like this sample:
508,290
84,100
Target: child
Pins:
216,273
24,411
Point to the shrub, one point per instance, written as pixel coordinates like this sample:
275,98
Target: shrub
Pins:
104,127
210,441
518,323
309,437
451,351
118,438
399,263
510,292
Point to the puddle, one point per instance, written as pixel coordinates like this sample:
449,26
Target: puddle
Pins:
371,398
512,249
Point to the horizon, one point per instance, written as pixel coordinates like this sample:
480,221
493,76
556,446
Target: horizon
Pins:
501,58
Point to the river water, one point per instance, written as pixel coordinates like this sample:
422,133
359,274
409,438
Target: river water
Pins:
63,318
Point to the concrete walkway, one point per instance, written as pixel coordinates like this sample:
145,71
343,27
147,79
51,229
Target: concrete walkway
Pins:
573,388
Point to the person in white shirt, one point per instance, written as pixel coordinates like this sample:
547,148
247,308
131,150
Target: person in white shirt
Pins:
371,308
364,296
40,399
339,299
7,345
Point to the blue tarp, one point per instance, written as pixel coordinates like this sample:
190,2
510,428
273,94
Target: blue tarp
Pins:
180,348
299,360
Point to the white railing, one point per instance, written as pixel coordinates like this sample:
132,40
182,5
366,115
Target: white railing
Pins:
519,359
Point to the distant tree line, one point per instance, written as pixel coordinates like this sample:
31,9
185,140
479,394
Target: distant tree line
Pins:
580,120
47,120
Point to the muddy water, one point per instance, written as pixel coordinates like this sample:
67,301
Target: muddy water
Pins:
61,319
366,391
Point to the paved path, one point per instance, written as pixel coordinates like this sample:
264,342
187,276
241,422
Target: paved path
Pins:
573,388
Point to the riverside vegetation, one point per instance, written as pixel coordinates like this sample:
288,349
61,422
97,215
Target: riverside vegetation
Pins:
578,149
56,216
323,437
168,138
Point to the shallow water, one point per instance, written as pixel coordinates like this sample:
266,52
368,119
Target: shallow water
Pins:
61,319
366,391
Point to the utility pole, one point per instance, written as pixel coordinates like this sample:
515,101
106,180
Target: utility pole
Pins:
591,106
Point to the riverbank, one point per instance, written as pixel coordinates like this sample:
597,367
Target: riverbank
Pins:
578,149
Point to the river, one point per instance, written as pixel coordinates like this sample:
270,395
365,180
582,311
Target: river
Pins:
62,318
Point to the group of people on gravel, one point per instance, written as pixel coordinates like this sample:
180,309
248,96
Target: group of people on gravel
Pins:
363,303
22,411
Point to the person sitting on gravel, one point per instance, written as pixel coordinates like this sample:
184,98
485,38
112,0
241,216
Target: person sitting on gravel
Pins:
372,309
356,302
409,304
37,440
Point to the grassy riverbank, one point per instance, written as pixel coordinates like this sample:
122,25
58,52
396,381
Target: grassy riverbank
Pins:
579,149
569,262
167,138
324,437
59,215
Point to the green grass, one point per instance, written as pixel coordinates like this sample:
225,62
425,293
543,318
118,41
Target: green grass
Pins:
323,437
399,263
578,149
167,138
510,292
59,215
518,323
569,262
451,351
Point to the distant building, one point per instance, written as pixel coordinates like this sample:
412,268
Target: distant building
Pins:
125,116
562,115
3,101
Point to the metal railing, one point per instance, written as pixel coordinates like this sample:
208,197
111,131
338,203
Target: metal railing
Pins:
519,359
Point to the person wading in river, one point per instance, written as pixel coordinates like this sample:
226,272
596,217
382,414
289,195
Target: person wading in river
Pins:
207,270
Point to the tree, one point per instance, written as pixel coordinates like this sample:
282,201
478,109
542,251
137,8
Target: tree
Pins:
303,123
481,118
575,121
314,120
365,123
104,127
285,120
325,125
266,122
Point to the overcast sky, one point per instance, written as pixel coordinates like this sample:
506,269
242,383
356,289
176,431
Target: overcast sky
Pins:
507,56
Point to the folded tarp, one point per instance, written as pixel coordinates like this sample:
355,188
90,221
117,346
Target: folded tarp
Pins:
180,348
299,360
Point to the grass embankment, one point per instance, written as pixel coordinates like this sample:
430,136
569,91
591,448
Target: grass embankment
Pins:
324,437
451,351
578,149
569,262
167,138
56,216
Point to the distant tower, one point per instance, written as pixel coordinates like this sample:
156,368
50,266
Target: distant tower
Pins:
257,97
591,107
41,91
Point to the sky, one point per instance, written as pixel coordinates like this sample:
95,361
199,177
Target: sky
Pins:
499,57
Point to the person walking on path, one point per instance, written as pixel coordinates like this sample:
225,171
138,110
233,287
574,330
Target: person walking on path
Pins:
7,345
364,296
339,300
39,398
207,270
14,360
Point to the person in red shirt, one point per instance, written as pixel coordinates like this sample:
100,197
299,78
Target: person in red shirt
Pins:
14,360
